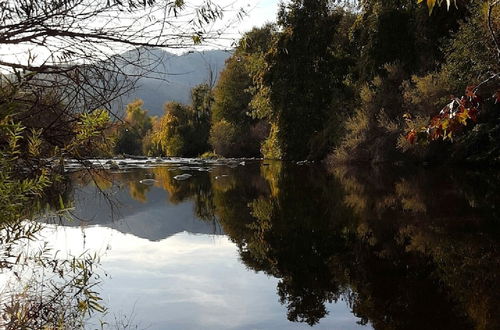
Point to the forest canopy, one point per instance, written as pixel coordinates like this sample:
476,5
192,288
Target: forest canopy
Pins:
336,80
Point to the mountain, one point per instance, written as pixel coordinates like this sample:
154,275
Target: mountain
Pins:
171,76
155,220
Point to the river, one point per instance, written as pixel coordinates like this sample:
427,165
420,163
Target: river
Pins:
274,245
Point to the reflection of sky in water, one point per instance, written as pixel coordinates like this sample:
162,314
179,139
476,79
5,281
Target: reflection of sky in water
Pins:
185,282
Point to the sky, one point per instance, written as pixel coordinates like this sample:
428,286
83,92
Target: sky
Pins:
259,12
263,11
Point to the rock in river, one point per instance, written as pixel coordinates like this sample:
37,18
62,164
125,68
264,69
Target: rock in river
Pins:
148,182
182,176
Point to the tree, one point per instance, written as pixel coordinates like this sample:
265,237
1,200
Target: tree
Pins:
183,130
136,126
201,104
305,70
233,95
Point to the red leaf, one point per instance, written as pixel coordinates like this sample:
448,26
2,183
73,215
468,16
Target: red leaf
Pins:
435,121
470,91
436,133
411,136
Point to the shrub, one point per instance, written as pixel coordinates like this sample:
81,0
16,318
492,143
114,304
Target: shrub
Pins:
223,138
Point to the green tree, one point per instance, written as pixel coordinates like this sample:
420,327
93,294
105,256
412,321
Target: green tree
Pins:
305,73
233,95
134,129
201,103
415,44
183,130
170,128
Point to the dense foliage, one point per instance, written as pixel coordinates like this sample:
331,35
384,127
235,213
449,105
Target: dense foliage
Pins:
136,125
336,81
234,132
336,78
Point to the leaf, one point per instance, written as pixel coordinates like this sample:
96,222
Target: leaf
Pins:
473,114
430,4
470,91
463,116
61,203
436,133
411,136
435,121
444,124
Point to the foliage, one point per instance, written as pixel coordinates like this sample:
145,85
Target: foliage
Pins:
270,147
223,137
467,62
15,192
135,127
372,131
432,3
209,155
455,115
46,292
201,103
305,71
233,96
60,293
175,132
182,130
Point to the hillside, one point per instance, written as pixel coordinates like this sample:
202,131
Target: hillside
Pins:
172,76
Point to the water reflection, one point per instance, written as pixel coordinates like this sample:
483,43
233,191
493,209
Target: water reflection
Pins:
405,248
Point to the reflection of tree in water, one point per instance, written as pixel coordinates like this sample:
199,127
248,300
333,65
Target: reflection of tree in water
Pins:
289,237
406,251
412,250
437,221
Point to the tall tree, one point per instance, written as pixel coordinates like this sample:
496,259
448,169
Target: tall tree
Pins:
136,125
234,131
306,65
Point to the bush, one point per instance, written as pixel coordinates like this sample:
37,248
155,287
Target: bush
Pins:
223,139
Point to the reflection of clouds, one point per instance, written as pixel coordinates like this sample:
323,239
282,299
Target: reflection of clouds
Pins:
184,282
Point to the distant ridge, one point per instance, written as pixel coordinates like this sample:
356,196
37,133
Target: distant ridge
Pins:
173,76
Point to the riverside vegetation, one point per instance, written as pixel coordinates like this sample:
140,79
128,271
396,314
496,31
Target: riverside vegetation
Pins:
337,83
329,80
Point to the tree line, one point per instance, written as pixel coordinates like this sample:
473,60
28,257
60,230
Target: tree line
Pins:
330,80
374,82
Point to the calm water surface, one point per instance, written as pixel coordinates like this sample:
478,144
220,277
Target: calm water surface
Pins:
269,245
